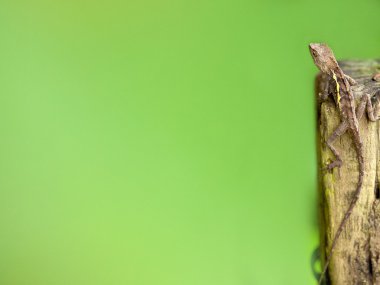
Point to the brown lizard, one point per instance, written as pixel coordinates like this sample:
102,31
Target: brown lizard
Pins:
325,60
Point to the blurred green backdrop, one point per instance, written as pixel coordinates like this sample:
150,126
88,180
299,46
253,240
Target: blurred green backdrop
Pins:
164,142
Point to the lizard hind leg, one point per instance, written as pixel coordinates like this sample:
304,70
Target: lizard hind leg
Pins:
373,113
340,130
367,106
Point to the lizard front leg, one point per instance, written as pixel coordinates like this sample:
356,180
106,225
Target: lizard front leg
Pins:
325,89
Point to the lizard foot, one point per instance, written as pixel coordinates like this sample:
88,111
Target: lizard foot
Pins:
332,165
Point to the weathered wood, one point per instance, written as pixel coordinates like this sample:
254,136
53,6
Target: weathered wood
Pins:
356,259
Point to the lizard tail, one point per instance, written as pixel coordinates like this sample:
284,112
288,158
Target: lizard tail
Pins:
359,148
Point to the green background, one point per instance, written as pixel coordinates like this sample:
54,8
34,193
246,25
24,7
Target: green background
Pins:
164,142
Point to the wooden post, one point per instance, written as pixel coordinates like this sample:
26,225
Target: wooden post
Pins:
356,259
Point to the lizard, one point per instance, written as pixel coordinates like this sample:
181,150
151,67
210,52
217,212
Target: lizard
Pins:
350,115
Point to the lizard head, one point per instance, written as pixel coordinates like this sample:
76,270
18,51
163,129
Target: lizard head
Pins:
323,57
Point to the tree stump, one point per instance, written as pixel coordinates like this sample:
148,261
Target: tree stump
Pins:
356,259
